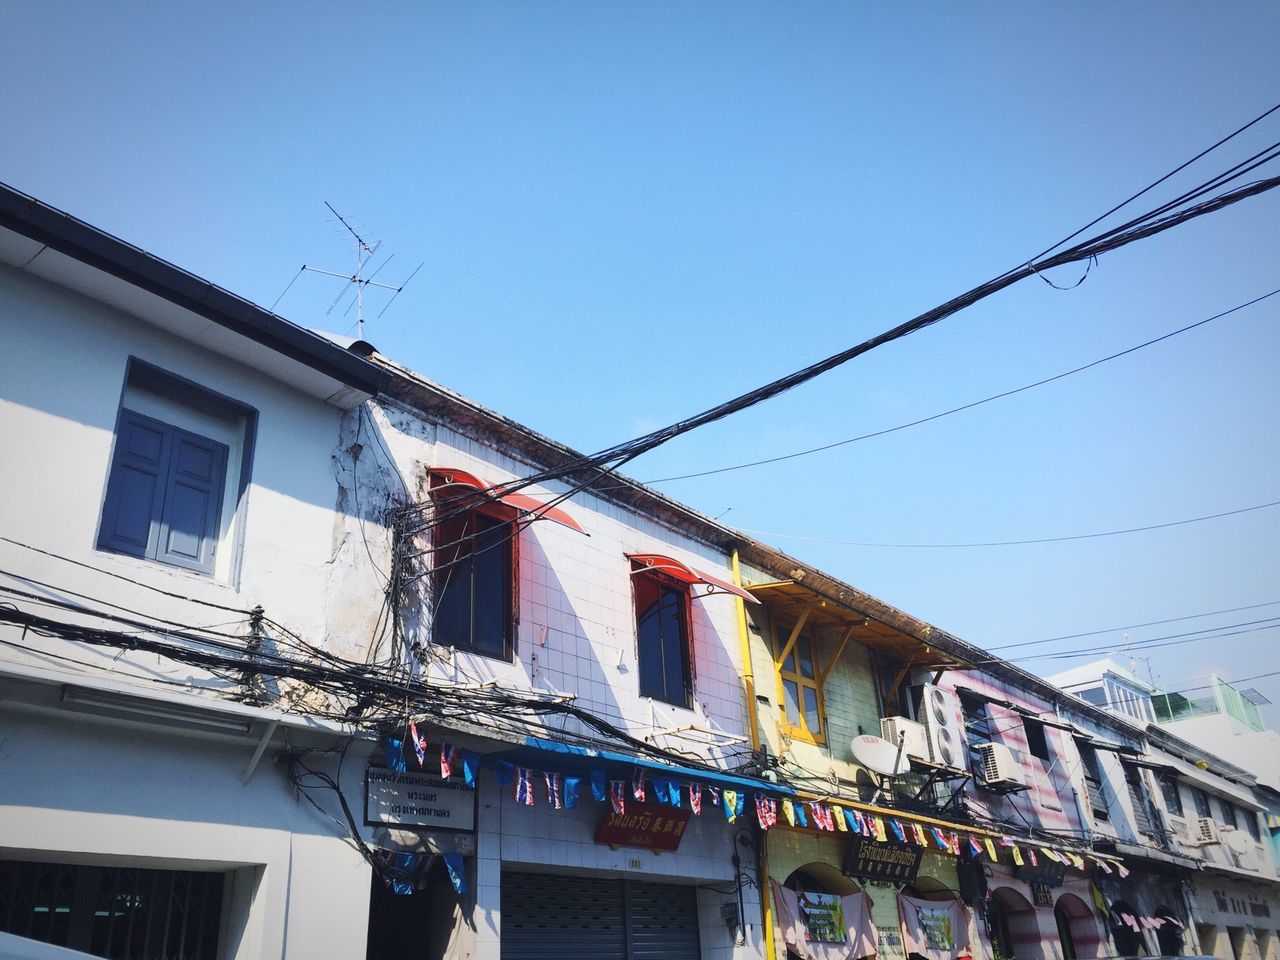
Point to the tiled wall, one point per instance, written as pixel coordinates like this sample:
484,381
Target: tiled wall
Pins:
576,631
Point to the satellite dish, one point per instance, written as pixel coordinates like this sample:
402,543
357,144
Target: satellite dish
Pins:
879,755
1237,842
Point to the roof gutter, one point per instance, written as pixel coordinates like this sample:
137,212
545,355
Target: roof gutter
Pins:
81,241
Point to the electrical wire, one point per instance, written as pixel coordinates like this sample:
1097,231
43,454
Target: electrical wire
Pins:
1016,543
966,406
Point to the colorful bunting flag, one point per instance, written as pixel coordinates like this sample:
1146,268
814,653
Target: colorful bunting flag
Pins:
837,814
802,818
637,785
788,811
975,848
419,743
571,792
939,839
555,789
695,798
506,772
991,849
618,796
524,786
470,766
395,755
918,831
878,825
597,785
448,757
766,811
673,791
898,831
714,794
730,805
1017,855
855,820
457,876
1031,855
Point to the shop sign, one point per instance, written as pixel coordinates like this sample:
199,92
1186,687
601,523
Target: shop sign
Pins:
869,859
1048,873
1041,894
823,916
416,800
649,826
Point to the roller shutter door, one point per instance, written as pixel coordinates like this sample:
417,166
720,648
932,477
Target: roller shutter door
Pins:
549,917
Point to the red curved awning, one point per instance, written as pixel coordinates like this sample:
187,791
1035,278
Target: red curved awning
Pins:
686,574
520,502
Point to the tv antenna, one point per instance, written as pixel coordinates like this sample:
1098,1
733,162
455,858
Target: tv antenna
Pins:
364,253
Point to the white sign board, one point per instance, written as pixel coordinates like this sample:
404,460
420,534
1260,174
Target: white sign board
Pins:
416,800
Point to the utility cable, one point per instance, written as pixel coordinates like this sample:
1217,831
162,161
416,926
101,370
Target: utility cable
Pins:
1017,543
966,406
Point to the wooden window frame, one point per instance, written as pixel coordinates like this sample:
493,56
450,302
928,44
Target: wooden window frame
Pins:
512,549
795,633
686,622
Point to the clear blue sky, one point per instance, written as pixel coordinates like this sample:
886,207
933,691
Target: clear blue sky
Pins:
631,212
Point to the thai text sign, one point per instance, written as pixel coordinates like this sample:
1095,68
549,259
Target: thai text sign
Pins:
880,860
823,916
644,825
416,800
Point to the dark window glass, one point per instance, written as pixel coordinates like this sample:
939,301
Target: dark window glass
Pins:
801,696
1138,797
1037,743
1095,695
1228,813
123,913
1093,781
472,584
662,639
164,494
1172,797
1201,801
1251,821
977,722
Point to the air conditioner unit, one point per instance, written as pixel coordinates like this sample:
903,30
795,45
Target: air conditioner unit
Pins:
1206,830
1177,827
944,725
917,743
995,765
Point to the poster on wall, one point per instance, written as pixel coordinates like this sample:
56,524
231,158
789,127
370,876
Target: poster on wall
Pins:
936,929
823,917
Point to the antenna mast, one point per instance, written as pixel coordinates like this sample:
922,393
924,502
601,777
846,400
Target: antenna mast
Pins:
364,253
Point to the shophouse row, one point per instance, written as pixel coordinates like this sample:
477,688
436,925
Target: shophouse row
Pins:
306,655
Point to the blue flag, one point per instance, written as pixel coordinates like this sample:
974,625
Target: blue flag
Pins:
395,755
453,863
597,785
470,764
571,792
802,818
506,773
673,792
662,789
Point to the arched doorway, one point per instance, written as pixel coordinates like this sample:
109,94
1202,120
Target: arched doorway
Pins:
1129,942
1012,927
1169,935
1077,930
812,884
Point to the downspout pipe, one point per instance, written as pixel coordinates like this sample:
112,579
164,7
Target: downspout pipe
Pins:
753,723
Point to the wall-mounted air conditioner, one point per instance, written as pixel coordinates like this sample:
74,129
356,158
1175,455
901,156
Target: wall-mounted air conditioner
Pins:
1206,831
1178,828
944,725
917,744
995,765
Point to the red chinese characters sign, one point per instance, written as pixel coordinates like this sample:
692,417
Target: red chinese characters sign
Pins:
644,825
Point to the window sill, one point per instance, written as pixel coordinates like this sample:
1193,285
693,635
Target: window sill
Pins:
145,566
468,651
668,703
799,733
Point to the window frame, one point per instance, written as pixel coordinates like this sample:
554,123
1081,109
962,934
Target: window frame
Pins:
498,519
1200,799
148,377
780,635
1229,817
978,727
1094,782
1041,736
680,589
1169,791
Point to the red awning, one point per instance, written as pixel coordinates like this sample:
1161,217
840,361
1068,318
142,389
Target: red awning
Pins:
674,568
520,502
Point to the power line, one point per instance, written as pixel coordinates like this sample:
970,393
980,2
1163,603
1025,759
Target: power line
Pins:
1135,626
1017,543
966,406
1173,640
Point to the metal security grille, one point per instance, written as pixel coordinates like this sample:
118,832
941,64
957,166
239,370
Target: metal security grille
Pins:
121,913
548,917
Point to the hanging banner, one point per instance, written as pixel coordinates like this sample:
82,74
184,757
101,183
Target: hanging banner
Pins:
417,800
882,860
645,825
935,929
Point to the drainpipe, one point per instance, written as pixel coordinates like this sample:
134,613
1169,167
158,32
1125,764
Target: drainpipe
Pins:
749,686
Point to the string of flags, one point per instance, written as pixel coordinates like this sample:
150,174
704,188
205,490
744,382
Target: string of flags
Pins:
563,791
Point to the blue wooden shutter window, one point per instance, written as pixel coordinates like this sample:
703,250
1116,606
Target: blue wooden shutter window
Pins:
164,496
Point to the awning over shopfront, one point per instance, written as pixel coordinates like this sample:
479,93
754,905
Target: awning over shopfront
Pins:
520,503
686,574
